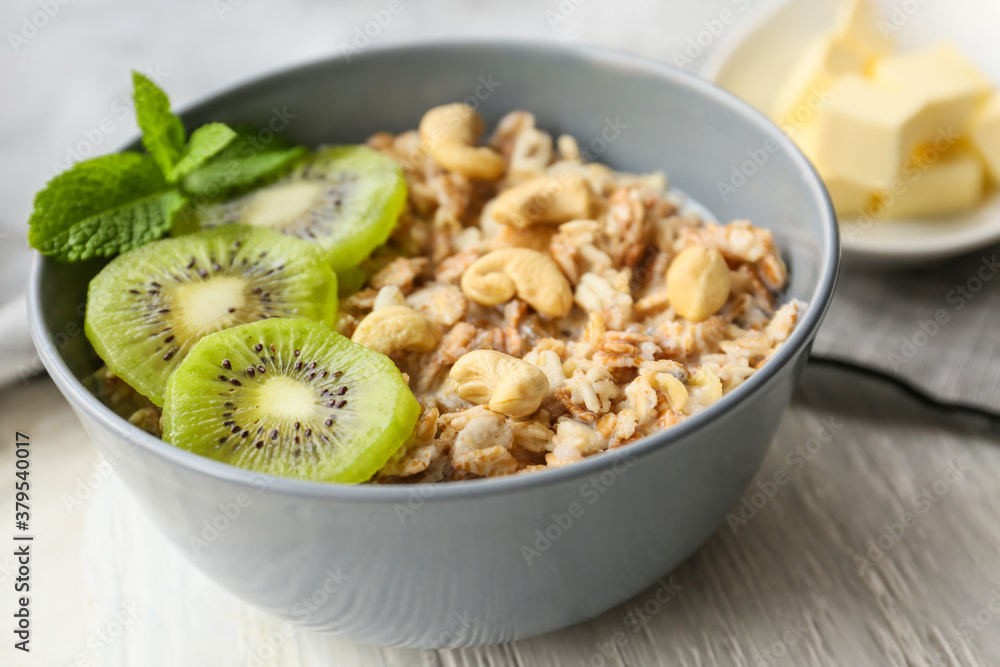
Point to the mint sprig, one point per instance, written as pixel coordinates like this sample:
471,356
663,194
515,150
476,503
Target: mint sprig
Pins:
108,205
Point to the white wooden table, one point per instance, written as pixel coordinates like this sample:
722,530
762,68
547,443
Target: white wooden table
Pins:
871,536
823,573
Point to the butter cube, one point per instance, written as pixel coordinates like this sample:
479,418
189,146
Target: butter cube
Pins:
950,83
859,20
808,84
954,183
985,132
806,137
849,198
870,130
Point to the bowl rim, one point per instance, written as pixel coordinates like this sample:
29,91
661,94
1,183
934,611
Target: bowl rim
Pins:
799,339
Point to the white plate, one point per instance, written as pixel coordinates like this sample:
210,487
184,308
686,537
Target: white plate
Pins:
758,56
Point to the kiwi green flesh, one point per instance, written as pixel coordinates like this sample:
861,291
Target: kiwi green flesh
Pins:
149,306
289,398
351,280
346,198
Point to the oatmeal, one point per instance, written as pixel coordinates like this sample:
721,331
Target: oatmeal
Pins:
545,309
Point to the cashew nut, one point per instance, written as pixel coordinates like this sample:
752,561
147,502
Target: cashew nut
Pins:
507,384
448,133
548,200
567,147
676,392
536,237
698,283
706,387
530,154
528,274
390,295
395,328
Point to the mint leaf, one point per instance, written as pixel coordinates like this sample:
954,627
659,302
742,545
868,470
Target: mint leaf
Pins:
103,207
117,230
162,131
225,176
245,162
205,142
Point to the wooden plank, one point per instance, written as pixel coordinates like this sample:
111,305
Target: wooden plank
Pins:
856,463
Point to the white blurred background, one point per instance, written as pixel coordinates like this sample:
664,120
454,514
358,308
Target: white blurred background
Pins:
64,64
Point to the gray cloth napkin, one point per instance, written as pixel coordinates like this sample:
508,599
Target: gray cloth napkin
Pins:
936,329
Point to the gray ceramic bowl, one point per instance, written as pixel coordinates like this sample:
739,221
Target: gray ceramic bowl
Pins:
494,560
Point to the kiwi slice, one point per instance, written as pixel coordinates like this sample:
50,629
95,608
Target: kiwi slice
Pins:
346,198
148,306
290,398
